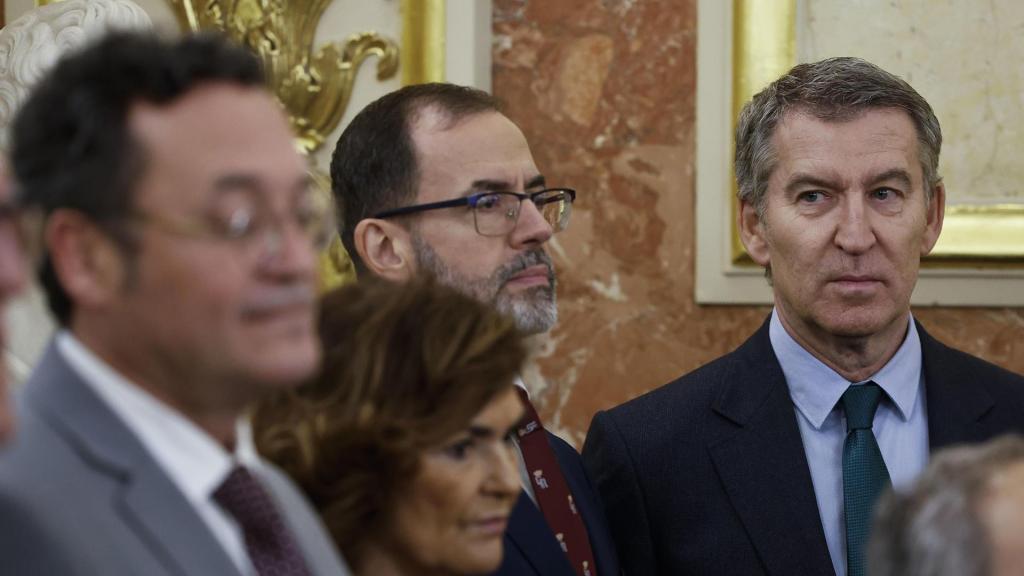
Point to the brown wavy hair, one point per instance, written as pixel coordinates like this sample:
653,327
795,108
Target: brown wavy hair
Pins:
405,368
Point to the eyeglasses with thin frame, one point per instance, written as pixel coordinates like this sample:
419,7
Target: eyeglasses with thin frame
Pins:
252,225
496,213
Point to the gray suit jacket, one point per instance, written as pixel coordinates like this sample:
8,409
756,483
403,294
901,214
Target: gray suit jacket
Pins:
80,495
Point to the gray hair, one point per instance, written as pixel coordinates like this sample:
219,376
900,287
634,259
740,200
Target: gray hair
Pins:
934,529
833,90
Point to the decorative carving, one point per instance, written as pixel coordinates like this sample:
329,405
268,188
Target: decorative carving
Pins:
314,87
31,45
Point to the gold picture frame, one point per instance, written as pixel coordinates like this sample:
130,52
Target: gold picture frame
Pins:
764,48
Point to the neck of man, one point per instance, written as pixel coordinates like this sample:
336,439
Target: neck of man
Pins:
206,403
855,358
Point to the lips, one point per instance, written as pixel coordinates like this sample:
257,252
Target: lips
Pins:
492,526
285,301
857,278
856,283
533,275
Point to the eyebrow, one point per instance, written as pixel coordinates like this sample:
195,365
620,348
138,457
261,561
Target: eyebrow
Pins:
490,185
897,174
802,179
254,184
477,431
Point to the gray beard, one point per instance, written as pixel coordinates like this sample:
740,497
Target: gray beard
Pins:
534,310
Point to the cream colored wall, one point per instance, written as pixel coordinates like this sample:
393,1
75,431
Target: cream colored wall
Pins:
963,56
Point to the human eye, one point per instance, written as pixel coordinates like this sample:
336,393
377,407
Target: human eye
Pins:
547,196
459,449
810,197
489,202
883,193
236,222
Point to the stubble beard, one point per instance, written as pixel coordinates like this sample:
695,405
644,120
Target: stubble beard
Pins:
534,310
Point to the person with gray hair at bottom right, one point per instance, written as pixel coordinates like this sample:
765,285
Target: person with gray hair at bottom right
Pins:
963,517
769,459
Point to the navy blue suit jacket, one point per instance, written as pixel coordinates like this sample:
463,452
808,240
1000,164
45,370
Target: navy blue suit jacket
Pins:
531,548
707,474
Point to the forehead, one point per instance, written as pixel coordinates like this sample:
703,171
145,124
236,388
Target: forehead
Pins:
212,132
485,146
875,140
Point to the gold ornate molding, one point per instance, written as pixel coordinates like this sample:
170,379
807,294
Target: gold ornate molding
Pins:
764,47
423,41
314,85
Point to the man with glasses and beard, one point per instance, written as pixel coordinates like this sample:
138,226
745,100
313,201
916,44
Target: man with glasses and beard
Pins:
432,179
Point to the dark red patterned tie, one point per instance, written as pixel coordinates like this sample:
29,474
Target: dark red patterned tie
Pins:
552,493
271,547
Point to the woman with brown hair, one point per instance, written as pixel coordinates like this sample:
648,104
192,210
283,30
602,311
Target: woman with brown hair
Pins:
402,443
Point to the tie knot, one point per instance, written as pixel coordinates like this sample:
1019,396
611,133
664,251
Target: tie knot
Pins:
244,497
859,403
268,540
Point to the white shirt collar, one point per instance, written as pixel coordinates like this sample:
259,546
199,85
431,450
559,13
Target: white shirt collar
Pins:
193,460
816,388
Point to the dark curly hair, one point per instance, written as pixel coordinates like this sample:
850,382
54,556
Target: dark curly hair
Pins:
406,366
72,143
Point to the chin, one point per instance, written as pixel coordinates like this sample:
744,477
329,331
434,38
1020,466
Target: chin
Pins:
858,323
482,562
288,365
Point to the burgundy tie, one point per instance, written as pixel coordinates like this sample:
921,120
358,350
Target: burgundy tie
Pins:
552,493
271,547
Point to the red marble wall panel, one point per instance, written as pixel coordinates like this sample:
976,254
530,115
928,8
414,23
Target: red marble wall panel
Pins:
605,92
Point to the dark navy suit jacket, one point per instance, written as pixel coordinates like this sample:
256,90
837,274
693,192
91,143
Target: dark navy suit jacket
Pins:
531,548
707,474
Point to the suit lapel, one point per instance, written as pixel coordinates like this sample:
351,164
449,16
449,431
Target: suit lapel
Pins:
762,465
170,525
957,403
148,501
528,532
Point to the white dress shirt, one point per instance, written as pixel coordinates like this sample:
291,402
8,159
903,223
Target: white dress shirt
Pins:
524,474
900,425
193,460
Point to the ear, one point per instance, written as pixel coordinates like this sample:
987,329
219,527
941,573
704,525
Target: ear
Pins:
87,262
935,211
752,233
385,248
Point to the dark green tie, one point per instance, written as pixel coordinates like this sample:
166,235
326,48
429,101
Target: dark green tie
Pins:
864,472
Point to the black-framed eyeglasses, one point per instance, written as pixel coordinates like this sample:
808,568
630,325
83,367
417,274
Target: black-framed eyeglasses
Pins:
496,213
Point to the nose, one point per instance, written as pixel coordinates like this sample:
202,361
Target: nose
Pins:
287,251
854,232
531,228
503,479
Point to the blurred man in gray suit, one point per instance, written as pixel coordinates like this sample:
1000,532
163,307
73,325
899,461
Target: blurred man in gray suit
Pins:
12,278
180,265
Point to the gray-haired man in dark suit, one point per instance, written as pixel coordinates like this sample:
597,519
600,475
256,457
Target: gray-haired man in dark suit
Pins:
769,459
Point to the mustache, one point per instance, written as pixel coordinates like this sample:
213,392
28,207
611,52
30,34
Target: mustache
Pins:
522,262
273,298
